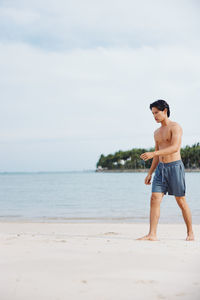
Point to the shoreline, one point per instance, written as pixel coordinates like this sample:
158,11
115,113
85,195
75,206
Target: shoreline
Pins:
139,171
89,222
64,224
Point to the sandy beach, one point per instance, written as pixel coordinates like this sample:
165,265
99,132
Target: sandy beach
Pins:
97,261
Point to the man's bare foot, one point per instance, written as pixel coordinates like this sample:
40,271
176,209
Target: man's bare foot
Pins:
148,237
190,237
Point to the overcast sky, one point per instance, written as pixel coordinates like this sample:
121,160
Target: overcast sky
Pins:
77,78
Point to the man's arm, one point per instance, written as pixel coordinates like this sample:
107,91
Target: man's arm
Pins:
153,166
154,161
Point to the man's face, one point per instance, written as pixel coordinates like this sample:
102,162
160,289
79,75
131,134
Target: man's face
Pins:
159,115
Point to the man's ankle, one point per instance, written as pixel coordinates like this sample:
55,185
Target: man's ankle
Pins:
189,232
152,234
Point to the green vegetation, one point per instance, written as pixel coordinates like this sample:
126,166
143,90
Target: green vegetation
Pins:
131,159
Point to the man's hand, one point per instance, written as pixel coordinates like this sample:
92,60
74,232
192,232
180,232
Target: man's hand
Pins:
148,179
147,155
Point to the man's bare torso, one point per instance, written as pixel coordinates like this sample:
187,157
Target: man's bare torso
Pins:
163,138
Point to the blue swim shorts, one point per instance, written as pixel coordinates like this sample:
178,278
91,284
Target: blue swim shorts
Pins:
169,178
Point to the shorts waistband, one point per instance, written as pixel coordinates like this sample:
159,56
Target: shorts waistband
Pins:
172,163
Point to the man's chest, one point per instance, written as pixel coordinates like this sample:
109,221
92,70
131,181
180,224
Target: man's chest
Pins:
163,135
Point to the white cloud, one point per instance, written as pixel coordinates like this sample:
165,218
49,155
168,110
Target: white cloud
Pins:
89,24
17,16
70,93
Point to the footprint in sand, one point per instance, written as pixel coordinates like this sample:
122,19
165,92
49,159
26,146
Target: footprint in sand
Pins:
145,281
196,283
161,297
180,294
61,241
84,281
110,232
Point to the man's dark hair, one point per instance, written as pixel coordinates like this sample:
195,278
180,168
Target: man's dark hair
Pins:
161,105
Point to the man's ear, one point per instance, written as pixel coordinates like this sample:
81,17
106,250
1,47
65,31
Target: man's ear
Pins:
165,110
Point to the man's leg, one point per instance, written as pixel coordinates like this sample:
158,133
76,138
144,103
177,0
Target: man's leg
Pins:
187,217
156,199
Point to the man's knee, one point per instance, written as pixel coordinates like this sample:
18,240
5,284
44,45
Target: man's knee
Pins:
156,198
181,202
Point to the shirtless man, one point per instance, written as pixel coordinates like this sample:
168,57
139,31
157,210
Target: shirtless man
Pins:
169,175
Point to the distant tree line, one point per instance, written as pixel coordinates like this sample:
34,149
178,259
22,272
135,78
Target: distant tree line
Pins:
131,159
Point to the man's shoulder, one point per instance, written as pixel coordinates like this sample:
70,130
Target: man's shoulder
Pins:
156,131
175,125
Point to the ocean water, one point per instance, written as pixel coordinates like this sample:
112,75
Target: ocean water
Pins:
89,197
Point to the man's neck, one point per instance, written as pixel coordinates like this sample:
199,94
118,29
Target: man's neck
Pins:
165,122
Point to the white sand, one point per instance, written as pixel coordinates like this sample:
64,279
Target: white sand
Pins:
97,262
